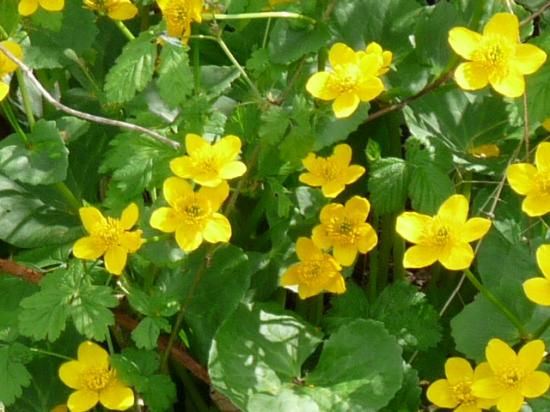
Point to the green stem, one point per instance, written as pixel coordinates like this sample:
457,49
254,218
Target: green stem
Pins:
387,227
55,355
260,15
398,253
266,33
196,67
3,33
68,195
124,30
495,301
27,105
538,333
8,112
109,341
374,268
191,389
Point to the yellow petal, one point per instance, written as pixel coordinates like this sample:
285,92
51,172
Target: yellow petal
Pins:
482,371
27,7
464,41
117,397
535,384
503,24
310,161
216,195
511,85
536,204
499,354
232,170
122,10
131,241
318,85
489,388
115,259
82,400
358,206
188,239
345,255
342,154
70,373
311,179
6,64
218,229
458,369
546,124
4,90
521,177
129,216
91,354
369,89
457,256
440,394
510,401
485,151
454,209
165,219
228,147
182,167
419,257
91,218
332,211
353,173
538,290
341,54
345,104
89,248
332,189
336,285
471,76
306,249
528,58
531,355
543,260
474,229
174,189
368,240
306,291
52,5
467,408
542,157
320,238
194,144
291,276
411,225
196,7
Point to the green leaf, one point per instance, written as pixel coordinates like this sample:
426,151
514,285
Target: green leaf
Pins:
133,69
287,45
175,79
389,179
42,160
160,393
346,308
217,79
12,291
146,334
9,16
538,86
330,130
275,121
13,373
408,397
350,367
408,316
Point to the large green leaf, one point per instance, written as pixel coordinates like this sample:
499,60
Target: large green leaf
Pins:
389,179
13,373
288,44
12,291
175,79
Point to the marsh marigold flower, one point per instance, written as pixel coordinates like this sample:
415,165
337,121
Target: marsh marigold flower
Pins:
192,215
316,272
538,289
533,181
485,151
384,57
332,173
513,376
94,380
28,7
115,9
353,79
209,164
109,237
495,57
179,15
344,228
444,237
7,66
455,392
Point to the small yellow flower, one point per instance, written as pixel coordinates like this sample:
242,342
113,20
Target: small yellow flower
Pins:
94,380
192,215
7,66
455,392
384,57
115,9
28,7
332,173
496,57
352,79
538,289
317,271
485,151
444,237
179,15
206,164
109,237
344,229
533,181
513,376
546,124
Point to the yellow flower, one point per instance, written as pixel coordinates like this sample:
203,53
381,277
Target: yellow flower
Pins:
444,237
496,57
352,80
94,380
485,151
384,57
179,15
208,165
538,289
533,181
7,66
514,377
344,229
28,7
316,271
455,392
109,237
115,9
192,215
546,124
332,173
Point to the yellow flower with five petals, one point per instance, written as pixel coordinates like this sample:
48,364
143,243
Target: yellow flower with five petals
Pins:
7,66
209,164
538,289
316,272
109,237
495,57
344,229
513,376
115,9
444,237
28,7
94,380
332,173
179,14
533,181
193,216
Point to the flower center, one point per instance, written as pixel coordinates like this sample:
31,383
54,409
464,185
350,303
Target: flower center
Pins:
328,170
207,163
311,272
176,13
494,53
342,231
510,377
95,379
543,182
462,391
345,78
193,209
440,235
111,232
